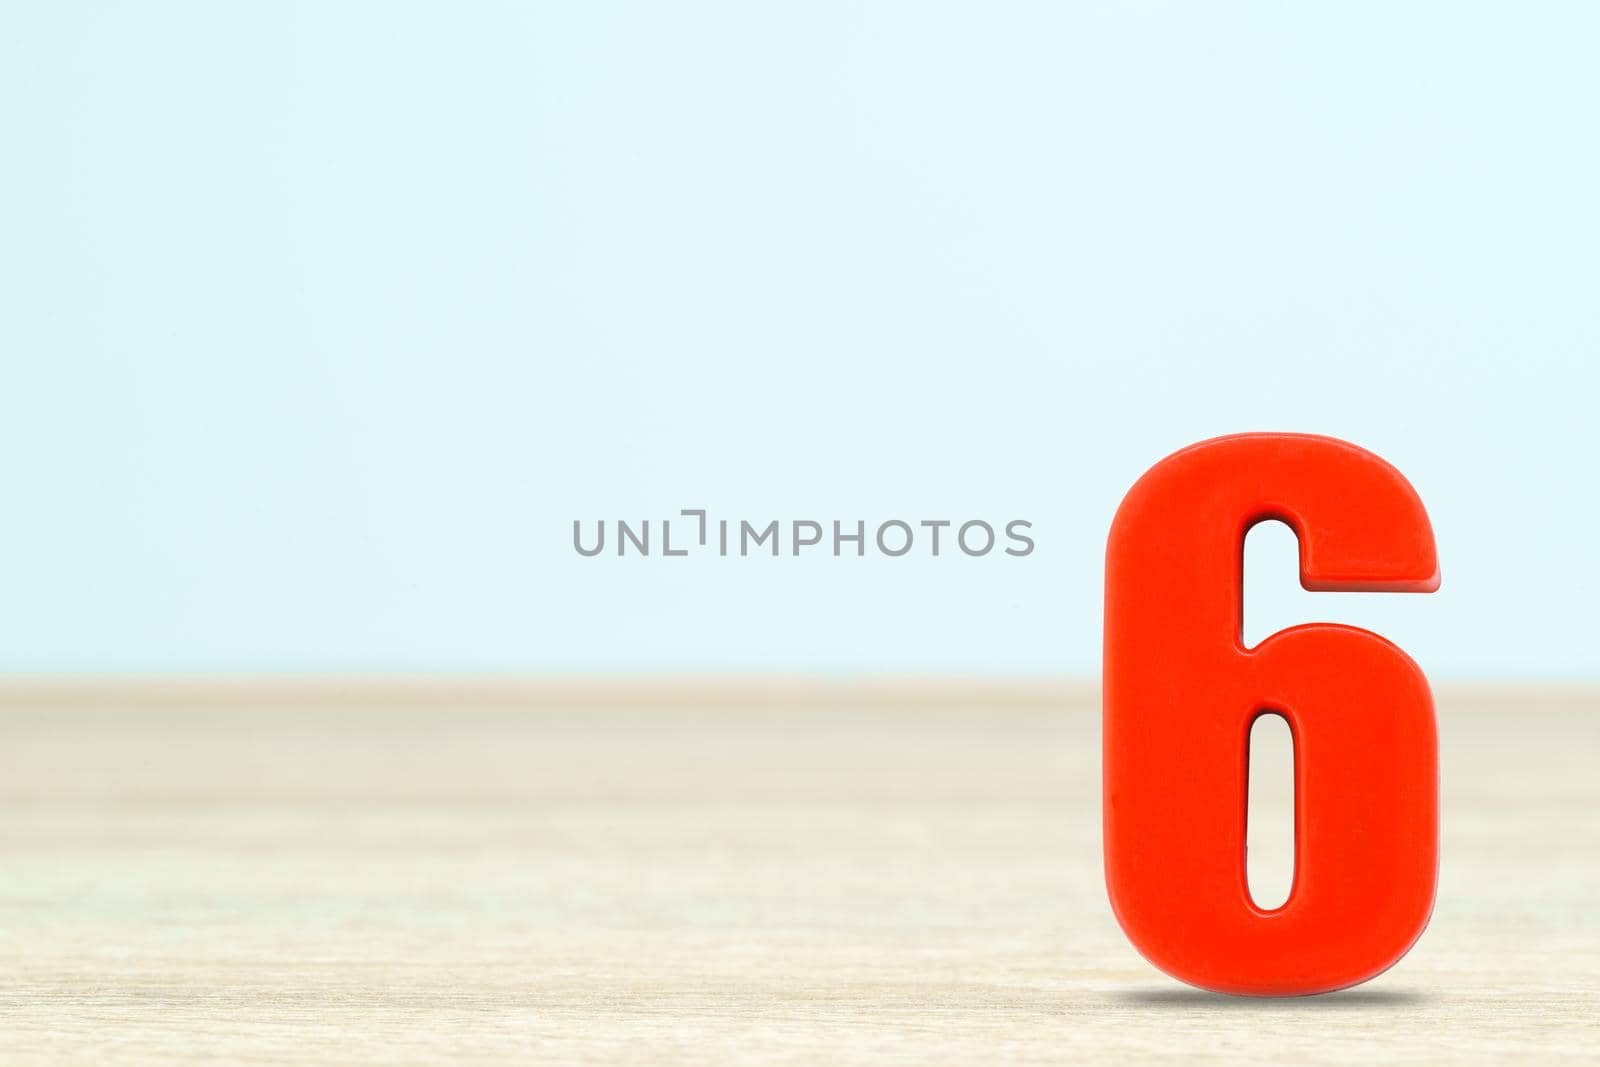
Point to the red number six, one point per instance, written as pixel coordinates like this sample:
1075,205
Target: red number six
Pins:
1181,692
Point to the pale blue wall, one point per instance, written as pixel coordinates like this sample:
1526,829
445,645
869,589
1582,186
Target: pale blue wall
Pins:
320,323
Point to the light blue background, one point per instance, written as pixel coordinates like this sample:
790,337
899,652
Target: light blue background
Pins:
321,322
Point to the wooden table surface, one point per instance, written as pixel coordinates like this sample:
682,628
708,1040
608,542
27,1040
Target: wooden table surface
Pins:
879,882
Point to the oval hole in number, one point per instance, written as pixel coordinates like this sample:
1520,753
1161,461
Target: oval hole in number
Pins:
1269,829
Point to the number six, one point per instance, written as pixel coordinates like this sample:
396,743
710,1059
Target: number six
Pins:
1181,692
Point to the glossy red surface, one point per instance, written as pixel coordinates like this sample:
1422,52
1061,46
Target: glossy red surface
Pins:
1181,692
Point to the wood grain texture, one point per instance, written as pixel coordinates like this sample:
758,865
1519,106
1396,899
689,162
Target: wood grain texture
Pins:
868,882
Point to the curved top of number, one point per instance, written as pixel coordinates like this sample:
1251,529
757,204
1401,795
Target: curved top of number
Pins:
1361,525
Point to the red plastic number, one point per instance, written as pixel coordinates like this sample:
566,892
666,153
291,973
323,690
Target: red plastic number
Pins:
1181,692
